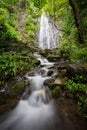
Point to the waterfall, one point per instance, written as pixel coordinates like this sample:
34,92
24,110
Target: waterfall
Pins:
48,35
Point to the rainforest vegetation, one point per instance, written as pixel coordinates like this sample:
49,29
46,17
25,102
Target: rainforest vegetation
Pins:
18,39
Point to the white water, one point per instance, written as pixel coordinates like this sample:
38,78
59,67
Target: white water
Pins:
37,81
44,61
48,35
34,113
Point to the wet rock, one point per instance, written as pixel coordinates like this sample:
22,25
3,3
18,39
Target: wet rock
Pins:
50,54
58,81
61,82
15,88
55,74
56,92
45,52
37,63
41,71
76,69
26,93
30,74
48,95
62,73
61,64
48,82
26,82
53,58
52,85
18,78
50,72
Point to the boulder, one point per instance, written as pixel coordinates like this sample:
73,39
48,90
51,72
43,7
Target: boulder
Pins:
37,63
56,92
58,81
50,72
48,82
62,73
15,88
41,71
76,69
53,58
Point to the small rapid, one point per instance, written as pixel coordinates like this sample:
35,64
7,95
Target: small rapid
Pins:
37,111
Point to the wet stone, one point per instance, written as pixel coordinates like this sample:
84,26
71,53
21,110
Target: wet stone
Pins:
50,72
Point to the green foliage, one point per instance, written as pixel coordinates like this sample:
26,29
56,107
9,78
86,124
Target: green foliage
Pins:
65,50
62,12
30,23
71,51
76,87
79,53
70,38
3,15
14,60
39,3
7,24
82,106
82,54
56,8
8,32
14,63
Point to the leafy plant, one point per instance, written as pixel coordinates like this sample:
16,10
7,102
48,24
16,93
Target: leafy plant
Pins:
79,90
30,23
13,63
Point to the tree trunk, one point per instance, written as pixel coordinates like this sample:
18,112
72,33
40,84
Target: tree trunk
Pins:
77,20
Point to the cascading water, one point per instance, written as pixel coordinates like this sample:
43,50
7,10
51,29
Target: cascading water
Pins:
48,35
37,111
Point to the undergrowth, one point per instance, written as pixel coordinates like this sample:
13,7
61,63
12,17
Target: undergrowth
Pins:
79,90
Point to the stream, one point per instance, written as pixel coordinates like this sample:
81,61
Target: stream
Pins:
36,110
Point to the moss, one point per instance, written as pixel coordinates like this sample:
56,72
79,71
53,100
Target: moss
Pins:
16,88
56,92
52,85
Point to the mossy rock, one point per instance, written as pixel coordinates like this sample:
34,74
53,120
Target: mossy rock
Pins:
46,52
62,73
56,92
37,62
16,88
52,85
53,57
76,69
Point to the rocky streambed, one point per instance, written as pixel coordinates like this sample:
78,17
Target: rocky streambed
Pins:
65,101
